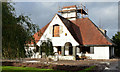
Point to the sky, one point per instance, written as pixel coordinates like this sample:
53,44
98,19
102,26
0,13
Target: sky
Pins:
103,14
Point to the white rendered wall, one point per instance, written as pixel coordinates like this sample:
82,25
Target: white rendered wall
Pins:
101,53
68,8
72,19
58,41
69,14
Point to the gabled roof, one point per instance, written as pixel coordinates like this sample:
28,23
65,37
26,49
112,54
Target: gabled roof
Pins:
39,34
68,25
88,33
83,30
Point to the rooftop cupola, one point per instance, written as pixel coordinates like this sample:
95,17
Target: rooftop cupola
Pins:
73,12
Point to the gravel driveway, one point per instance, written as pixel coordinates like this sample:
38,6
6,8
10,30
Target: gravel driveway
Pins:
111,65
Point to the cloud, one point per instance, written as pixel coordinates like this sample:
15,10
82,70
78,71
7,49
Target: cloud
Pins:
48,4
63,0
104,13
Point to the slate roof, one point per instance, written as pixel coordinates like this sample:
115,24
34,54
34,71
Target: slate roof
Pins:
83,30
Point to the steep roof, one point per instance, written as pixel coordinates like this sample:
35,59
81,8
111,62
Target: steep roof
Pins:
68,25
83,30
88,33
39,34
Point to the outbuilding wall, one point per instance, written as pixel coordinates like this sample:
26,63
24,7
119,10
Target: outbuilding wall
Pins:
101,53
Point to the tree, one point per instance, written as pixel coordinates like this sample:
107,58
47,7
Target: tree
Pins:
116,40
50,47
16,32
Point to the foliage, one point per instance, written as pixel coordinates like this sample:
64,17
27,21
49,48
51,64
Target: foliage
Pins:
23,69
90,68
31,69
47,47
116,40
16,32
29,53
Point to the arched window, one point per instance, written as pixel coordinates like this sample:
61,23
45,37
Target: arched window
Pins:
56,30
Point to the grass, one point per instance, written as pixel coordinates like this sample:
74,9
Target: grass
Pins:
24,69
31,69
87,69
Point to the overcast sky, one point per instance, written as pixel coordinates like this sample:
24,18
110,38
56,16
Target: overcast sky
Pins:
104,14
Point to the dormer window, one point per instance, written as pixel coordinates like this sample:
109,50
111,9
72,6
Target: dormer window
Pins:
56,30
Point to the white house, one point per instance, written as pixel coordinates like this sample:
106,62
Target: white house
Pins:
74,34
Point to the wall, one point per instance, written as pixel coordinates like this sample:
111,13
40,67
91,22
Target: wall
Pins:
58,41
101,52
69,8
69,14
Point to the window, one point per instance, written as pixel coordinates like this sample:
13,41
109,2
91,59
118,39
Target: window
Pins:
56,31
92,50
65,34
87,50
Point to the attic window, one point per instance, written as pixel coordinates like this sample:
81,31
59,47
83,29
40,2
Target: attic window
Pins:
65,34
56,30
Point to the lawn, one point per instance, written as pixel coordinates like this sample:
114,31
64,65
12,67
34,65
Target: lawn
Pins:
31,69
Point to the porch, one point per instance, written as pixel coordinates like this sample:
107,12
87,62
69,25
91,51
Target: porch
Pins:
66,52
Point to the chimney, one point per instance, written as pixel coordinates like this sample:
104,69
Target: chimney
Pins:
71,12
103,31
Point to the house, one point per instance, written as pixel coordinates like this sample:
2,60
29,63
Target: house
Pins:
73,34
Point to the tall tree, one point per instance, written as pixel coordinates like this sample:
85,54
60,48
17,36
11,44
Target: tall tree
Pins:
16,32
116,40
